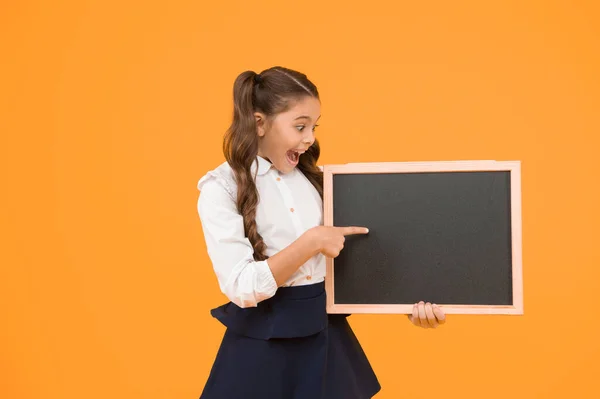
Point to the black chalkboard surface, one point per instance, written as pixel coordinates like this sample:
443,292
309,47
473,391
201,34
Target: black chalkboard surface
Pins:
444,232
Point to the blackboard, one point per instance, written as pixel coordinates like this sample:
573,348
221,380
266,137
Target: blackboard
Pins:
442,232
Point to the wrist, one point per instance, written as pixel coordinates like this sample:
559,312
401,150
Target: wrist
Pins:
312,241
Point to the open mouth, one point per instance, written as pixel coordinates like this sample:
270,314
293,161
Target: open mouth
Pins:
293,156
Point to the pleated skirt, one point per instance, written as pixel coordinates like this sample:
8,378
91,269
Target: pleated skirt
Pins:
288,347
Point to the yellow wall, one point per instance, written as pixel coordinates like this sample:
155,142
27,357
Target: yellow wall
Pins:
110,111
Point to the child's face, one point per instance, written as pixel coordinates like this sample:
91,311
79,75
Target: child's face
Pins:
289,134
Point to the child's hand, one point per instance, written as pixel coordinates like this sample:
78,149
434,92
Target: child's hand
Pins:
427,315
329,240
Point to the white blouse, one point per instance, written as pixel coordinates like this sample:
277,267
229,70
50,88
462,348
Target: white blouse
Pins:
288,206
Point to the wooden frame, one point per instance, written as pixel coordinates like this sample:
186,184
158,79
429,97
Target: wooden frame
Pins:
437,166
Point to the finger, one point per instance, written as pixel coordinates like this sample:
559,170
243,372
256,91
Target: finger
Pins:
415,316
350,230
422,315
439,314
430,316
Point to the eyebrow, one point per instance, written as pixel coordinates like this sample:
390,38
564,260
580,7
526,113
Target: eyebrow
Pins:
305,117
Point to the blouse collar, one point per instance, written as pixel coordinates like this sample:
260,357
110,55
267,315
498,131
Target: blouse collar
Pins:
263,166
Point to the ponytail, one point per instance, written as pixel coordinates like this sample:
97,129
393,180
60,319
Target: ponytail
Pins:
240,148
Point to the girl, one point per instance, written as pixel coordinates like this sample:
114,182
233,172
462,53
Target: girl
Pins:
262,213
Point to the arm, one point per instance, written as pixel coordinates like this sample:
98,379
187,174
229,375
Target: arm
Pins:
242,279
285,262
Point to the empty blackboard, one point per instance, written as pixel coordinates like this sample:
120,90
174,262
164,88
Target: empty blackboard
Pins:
443,232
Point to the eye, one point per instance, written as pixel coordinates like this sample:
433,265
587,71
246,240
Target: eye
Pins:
315,127
300,127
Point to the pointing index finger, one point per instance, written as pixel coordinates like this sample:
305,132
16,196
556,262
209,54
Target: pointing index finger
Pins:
350,230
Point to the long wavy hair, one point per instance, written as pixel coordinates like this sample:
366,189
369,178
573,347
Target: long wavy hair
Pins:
271,92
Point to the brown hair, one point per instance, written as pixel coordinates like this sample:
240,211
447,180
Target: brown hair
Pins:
270,92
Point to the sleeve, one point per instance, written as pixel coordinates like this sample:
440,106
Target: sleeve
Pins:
242,279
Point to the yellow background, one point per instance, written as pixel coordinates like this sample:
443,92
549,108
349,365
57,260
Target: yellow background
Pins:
112,110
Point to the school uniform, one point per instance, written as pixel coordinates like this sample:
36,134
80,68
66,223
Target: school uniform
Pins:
279,342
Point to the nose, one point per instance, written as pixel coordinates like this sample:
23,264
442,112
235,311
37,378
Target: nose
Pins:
309,138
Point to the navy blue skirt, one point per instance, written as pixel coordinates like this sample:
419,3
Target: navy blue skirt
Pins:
288,347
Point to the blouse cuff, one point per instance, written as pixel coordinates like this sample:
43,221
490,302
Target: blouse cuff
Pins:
266,280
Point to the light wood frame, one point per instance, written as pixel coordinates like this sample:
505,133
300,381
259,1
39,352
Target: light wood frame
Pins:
514,167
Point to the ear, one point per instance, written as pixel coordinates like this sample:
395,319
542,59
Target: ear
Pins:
261,122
